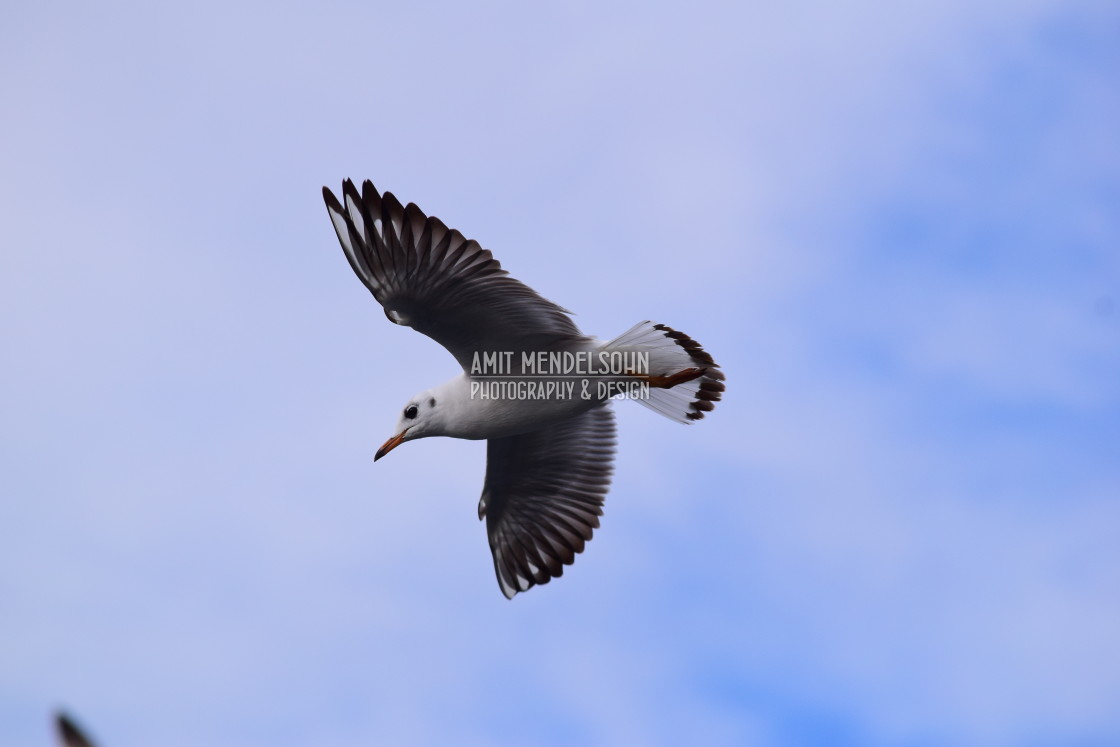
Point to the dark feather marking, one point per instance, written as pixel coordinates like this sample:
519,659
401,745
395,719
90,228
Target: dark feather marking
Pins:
711,387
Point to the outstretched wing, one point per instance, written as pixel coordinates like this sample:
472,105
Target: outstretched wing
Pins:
544,495
436,281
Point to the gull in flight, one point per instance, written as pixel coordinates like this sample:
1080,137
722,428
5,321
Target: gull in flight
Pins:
533,386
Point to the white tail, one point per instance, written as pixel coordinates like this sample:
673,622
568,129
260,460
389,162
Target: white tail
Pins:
672,353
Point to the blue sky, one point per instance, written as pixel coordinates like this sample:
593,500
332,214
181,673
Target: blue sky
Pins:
895,227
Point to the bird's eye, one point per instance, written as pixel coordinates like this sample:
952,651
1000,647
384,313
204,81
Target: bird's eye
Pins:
410,412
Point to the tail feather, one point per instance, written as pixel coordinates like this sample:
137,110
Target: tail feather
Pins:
671,352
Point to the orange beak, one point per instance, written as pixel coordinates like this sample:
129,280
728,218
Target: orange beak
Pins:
389,445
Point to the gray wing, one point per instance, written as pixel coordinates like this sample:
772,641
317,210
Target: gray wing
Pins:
544,495
434,280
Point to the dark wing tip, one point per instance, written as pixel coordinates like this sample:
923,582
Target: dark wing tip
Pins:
543,511
69,734
351,192
332,202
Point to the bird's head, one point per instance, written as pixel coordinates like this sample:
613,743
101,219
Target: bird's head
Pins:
419,418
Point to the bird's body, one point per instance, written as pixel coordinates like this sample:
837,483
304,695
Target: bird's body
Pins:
532,385
478,418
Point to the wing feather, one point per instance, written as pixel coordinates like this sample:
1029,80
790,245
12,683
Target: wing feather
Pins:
544,495
437,281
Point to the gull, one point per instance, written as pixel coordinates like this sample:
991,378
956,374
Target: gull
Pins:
549,459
